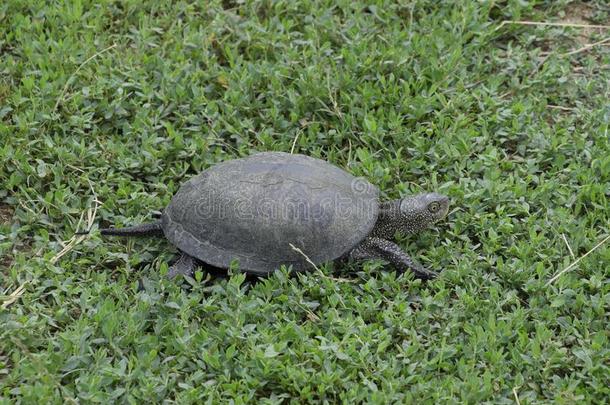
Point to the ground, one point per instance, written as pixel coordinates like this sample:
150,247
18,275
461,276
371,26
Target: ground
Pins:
106,107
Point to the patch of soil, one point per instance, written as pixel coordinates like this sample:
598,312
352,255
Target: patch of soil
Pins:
580,13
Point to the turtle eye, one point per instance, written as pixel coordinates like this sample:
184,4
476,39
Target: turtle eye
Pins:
434,206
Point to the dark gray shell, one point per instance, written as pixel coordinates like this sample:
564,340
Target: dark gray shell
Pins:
252,209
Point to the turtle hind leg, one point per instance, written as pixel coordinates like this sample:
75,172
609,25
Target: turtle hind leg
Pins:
185,265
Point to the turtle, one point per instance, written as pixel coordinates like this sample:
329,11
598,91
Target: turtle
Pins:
275,208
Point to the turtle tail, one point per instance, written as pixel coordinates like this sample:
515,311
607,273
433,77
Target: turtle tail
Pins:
153,228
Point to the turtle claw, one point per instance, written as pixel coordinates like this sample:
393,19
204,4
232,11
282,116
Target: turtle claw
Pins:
425,274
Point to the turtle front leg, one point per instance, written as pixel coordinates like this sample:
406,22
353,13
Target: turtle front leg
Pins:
185,265
378,248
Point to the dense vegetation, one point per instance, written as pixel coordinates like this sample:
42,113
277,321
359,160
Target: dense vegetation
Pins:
107,106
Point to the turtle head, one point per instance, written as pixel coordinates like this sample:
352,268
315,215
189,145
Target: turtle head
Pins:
422,210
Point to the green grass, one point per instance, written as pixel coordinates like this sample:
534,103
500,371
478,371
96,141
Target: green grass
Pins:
418,96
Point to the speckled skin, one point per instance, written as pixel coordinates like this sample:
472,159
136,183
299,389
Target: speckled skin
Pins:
407,216
185,265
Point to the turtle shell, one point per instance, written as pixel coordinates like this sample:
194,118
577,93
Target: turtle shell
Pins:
258,209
